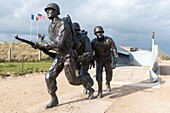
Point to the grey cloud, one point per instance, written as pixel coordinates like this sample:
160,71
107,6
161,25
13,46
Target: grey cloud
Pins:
128,21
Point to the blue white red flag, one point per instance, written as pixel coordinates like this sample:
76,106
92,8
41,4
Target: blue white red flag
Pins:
40,16
34,18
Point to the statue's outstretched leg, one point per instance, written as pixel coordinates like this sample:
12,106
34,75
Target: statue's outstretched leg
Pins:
50,79
84,80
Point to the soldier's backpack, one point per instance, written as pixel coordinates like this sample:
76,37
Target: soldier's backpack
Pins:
76,42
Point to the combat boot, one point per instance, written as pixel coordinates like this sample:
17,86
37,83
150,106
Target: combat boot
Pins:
91,93
90,89
91,82
99,95
87,82
53,102
85,91
108,88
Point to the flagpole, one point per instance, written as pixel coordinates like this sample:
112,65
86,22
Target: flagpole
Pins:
39,52
37,31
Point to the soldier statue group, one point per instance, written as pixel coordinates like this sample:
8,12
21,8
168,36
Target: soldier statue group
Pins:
75,53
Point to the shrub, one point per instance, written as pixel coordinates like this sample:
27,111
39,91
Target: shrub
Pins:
164,56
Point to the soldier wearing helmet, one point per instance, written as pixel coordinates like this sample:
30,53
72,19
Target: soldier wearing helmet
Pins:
84,52
98,29
54,7
61,41
103,47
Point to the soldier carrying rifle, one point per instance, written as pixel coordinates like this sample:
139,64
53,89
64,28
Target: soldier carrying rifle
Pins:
61,41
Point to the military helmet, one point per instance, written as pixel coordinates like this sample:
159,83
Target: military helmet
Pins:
53,6
76,26
98,29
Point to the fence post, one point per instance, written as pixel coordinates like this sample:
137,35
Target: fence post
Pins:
9,55
39,55
22,63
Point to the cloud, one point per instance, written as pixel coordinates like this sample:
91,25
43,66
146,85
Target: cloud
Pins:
128,21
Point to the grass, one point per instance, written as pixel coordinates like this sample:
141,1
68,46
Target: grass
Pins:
16,67
20,68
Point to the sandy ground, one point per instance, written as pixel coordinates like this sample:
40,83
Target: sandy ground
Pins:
28,94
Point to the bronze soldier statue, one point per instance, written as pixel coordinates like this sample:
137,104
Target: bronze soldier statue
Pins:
103,47
61,41
84,52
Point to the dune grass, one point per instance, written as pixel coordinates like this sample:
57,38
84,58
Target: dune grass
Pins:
18,50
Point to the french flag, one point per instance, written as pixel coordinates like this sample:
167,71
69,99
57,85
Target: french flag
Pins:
34,18
40,16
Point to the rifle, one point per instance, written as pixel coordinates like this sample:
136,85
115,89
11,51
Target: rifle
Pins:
25,41
68,19
46,51
84,57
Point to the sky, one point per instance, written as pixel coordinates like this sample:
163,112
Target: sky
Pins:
128,22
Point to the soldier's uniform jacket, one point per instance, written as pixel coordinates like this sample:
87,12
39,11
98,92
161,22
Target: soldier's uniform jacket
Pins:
60,36
85,46
103,49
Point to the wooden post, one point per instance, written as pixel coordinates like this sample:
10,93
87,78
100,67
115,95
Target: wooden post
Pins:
9,55
22,63
39,55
